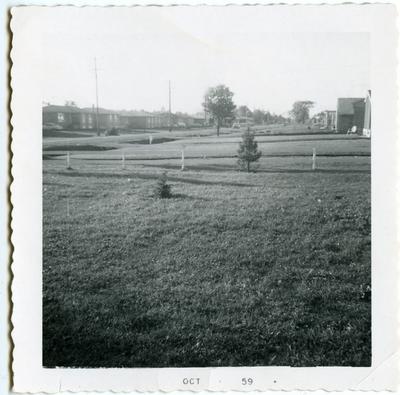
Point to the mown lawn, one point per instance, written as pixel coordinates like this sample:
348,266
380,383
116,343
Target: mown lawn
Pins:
269,268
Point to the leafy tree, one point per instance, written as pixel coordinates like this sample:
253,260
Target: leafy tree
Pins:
301,111
243,111
258,116
267,117
219,104
248,150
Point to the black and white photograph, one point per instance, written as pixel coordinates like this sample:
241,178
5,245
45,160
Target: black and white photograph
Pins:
205,188
206,199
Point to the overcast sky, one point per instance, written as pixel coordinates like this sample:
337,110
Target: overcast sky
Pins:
139,50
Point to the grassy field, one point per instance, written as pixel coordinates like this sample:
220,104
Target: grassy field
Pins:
266,268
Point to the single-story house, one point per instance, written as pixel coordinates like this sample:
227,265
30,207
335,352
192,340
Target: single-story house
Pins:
329,119
75,118
106,119
350,112
163,120
187,121
139,120
64,116
354,112
198,122
244,121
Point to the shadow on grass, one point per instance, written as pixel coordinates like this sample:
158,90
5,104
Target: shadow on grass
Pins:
159,140
56,184
224,168
51,156
71,340
181,196
152,177
282,140
329,171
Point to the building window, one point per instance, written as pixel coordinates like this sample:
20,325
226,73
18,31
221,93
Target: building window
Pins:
60,117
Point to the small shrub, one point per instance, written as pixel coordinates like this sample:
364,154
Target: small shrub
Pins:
248,151
163,190
112,132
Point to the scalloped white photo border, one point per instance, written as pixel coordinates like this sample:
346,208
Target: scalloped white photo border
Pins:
379,20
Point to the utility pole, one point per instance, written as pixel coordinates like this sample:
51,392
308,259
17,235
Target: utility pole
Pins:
97,98
169,106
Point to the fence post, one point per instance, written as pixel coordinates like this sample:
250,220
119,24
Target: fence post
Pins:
123,161
150,139
183,159
314,159
68,161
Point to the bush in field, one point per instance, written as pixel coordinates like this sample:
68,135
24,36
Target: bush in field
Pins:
248,150
112,132
163,190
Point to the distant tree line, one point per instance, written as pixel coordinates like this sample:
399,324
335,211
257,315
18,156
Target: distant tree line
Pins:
261,116
219,104
266,117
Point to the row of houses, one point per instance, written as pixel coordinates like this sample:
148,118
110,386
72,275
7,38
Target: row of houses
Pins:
75,118
353,114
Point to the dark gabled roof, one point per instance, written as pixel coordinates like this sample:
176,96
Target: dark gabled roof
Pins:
69,109
162,113
101,110
345,105
53,108
183,116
